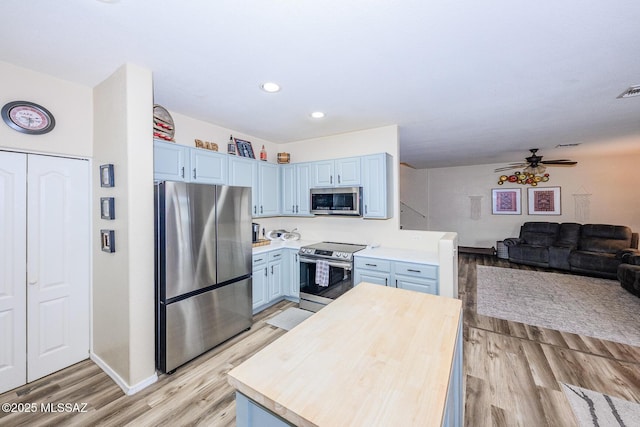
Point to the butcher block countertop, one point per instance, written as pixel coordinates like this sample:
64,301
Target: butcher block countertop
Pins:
377,356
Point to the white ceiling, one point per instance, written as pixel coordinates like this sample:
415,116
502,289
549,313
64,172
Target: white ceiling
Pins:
467,82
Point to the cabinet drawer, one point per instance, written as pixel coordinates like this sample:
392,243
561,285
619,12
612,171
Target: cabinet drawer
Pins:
261,259
373,264
275,256
417,270
426,286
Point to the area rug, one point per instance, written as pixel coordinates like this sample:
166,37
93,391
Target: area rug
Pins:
581,305
593,409
290,318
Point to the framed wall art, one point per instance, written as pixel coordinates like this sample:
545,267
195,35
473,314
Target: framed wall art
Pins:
506,201
544,201
106,175
107,240
244,148
107,208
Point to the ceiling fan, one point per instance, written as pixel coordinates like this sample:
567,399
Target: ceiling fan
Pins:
535,165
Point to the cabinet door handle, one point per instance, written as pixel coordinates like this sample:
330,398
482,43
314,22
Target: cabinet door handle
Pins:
296,208
276,256
396,283
371,265
296,257
272,270
413,271
365,209
331,179
182,172
255,209
386,282
338,178
260,209
194,173
293,208
258,260
265,272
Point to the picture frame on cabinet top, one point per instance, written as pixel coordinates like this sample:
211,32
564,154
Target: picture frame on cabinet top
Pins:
245,149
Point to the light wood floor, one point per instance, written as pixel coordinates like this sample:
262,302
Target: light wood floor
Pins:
512,373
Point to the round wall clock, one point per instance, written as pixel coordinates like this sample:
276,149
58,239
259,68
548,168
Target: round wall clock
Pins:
27,117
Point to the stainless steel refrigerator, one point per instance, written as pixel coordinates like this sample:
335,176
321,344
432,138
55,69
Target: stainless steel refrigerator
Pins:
203,268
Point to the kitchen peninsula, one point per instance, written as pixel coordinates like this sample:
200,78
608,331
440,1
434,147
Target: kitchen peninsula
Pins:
375,356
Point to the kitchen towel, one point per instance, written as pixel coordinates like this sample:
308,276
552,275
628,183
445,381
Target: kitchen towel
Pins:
322,273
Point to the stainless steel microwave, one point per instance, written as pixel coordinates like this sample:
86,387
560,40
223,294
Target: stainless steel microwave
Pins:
336,201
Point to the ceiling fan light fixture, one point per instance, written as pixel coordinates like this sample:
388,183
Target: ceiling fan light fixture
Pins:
538,170
317,115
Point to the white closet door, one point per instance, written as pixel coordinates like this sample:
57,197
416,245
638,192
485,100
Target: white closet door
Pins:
58,256
13,267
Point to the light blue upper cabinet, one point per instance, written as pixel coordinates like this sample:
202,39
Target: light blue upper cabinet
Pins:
289,193
208,167
377,186
336,173
269,193
170,161
243,172
348,172
295,189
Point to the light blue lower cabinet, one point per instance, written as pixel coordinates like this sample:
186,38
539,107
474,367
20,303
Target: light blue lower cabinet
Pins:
397,274
250,414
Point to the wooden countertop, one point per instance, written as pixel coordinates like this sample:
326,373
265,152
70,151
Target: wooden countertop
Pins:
376,356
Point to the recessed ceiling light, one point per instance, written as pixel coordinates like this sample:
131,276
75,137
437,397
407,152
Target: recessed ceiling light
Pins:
317,115
270,87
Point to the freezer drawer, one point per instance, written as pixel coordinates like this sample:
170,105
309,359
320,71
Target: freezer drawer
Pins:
194,325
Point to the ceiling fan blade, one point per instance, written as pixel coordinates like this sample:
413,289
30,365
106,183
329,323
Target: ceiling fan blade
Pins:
507,168
559,162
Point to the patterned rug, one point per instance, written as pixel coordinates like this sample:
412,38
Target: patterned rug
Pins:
581,305
290,318
593,409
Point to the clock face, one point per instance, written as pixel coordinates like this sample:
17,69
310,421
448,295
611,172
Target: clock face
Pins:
28,117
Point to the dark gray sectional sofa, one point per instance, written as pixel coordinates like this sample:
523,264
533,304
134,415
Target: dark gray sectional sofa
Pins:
593,249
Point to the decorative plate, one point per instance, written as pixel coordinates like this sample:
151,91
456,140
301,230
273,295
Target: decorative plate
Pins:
163,127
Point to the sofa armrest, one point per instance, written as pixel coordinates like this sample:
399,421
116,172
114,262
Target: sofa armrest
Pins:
512,241
633,259
623,254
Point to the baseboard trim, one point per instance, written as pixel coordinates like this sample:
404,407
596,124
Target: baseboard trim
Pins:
128,390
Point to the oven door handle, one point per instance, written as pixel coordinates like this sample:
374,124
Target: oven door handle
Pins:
345,265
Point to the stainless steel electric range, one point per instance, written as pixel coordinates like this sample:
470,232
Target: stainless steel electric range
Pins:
326,272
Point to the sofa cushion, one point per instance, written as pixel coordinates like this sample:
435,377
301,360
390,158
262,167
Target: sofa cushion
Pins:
602,263
539,233
533,254
568,235
604,238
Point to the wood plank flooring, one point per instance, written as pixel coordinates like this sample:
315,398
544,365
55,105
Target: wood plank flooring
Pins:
512,375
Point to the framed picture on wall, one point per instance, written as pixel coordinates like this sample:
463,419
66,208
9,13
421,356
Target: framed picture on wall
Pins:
544,201
107,241
107,208
506,201
106,175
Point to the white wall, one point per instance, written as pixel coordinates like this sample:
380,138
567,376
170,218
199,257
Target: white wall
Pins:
413,198
189,129
70,104
123,290
610,179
